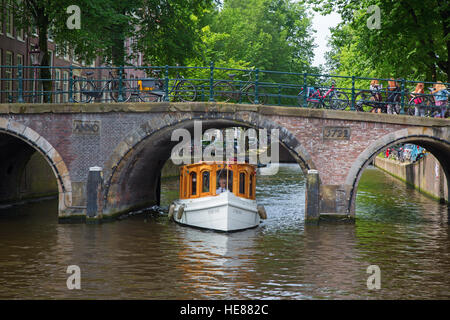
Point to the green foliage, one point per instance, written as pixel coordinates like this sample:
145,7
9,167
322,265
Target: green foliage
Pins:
413,41
269,34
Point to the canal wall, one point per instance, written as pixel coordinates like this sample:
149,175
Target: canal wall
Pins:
426,175
170,170
37,179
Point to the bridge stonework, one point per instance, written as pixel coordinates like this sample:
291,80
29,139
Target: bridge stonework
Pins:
131,142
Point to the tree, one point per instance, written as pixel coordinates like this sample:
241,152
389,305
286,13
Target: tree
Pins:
269,34
169,30
413,41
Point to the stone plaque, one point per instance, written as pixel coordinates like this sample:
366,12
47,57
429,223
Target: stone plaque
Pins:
336,133
86,127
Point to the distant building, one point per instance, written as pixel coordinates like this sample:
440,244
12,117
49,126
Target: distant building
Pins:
15,48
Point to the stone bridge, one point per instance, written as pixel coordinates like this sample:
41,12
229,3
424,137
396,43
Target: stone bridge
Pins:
131,142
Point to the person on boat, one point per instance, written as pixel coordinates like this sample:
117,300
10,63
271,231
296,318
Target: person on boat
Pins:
222,186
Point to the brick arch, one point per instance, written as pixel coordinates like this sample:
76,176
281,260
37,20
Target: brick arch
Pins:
435,140
50,154
151,129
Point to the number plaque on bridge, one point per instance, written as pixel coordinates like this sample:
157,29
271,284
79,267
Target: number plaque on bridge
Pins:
86,127
336,133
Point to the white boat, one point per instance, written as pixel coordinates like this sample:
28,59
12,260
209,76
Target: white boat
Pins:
228,206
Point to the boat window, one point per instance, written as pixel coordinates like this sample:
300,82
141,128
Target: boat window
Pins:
205,182
242,182
252,176
193,183
222,181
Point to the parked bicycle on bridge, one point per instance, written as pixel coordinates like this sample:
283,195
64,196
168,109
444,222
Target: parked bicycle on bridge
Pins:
372,100
331,99
226,91
153,89
86,89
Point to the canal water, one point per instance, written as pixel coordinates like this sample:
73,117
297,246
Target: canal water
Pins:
144,256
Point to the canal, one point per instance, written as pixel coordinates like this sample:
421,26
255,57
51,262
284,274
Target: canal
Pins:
144,256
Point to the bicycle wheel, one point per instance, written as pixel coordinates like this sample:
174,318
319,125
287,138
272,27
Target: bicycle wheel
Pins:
420,101
411,106
223,91
83,91
250,93
114,90
147,96
312,103
364,101
185,91
337,101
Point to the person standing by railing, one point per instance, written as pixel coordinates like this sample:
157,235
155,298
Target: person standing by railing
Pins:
375,88
440,94
393,90
418,109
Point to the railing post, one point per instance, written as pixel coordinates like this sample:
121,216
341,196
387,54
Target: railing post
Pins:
240,92
402,110
305,89
279,95
211,82
256,85
203,93
120,97
353,94
20,75
166,83
70,84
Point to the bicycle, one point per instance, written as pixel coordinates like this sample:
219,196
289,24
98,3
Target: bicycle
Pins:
370,100
332,99
153,89
84,90
421,101
226,90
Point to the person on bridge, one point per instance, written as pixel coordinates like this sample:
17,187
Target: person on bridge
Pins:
393,90
375,87
418,109
440,94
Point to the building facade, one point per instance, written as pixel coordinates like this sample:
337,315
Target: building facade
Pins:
15,49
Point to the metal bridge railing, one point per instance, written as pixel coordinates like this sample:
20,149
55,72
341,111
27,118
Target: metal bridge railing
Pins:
28,84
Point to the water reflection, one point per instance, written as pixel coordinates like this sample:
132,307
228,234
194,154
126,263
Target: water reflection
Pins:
145,256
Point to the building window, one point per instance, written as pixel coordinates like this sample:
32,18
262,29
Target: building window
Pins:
19,59
19,32
9,18
50,58
1,21
1,72
20,35
65,86
58,86
9,74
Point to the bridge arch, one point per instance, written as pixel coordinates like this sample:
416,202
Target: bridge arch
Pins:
16,131
434,140
136,154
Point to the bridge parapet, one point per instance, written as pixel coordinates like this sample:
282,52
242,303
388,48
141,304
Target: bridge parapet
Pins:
131,142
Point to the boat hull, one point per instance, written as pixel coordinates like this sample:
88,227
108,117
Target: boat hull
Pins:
224,212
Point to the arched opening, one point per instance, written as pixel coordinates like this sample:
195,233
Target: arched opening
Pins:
25,173
134,181
428,173
31,168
